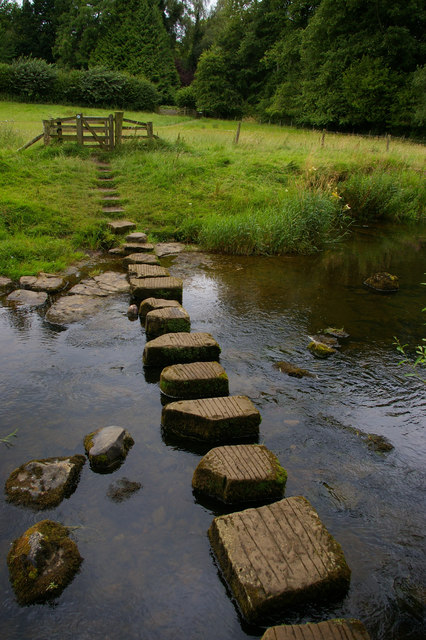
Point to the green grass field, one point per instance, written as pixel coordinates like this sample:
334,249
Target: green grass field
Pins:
280,190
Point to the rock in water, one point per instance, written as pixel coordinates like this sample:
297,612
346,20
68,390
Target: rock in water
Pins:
43,484
107,448
42,562
132,312
383,282
338,629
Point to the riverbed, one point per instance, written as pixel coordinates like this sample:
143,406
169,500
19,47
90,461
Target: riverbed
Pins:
148,570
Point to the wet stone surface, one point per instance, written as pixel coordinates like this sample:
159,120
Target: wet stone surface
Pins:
167,320
43,282
327,630
5,285
240,473
43,484
278,556
73,308
383,282
105,284
107,448
28,298
169,248
292,370
147,271
180,347
220,419
169,288
141,258
42,562
137,236
149,304
194,380
137,247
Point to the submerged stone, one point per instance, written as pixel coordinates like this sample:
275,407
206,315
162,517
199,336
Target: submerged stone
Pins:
194,380
42,562
336,333
220,419
149,304
73,308
107,448
43,484
330,341
147,271
379,443
292,370
320,350
338,629
180,347
28,298
121,226
132,312
278,556
240,473
169,288
167,320
141,258
383,282
122,489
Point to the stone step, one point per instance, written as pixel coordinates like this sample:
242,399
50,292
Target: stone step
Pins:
141,258
105,178
137,247
167,320
110,198
340,629
169,288
113,209
104,189
151,304
173,348
137,271
121,226
137,236
277,557
194,380
220,419
240,473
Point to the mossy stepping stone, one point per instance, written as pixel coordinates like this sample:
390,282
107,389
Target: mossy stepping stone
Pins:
167,320
43,484
194,380
147,271
278,556
383,282
149,304
240,473
141,258
169,288
174,348
338,629
121,226
107,448
220,419
137,247
320,349
42,562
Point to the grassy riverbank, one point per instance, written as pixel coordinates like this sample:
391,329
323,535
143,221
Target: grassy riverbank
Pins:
279,190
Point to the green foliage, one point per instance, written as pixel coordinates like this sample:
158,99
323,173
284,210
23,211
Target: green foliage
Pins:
103,87
95,235
185,98
31,79
215,95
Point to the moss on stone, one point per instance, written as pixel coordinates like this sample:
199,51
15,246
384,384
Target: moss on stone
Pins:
320,350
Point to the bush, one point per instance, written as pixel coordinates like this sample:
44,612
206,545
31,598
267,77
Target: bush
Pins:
4,77
67,87
185,98
32,79
215,94
102,87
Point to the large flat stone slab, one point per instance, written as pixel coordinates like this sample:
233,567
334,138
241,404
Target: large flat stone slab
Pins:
240,473
147,271
73,308
27,298
169,288
221,419
327,630
141,258
180,347
43,484
278,556
138,247
194,380
105,284
137,236
167,320
169,248
6,285
43,282
120,226
149,304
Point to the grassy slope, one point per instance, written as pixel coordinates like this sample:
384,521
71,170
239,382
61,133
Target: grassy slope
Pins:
278,190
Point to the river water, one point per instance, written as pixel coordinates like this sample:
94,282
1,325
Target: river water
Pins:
148,571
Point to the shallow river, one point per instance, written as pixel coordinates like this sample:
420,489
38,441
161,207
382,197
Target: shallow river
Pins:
148,571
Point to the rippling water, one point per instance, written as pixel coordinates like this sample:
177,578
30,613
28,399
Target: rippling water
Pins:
148,569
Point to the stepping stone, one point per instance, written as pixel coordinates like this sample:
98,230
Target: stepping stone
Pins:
169,248
28,298
169,288
106,178
167,320
137,237
43,484
213,419
104,167
110,198
103,189
147,271
6,285
121,226
102,285
180,347
107,209
194,380
141,258
43,282
73,309
150,304
278,556
339,629
107,448
42,562
138,247
240,473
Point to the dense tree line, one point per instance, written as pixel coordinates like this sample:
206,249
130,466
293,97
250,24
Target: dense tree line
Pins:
344,64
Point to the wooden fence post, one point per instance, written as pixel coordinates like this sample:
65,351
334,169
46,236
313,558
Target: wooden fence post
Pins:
79,125
118,127
111,132
149,130
323,137
388,137
59,130
237,135
46,132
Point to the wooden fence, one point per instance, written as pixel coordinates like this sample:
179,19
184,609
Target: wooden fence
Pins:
106,132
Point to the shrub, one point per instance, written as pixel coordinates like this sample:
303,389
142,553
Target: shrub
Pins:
4,77
102,87
67,87
32,79
215,94
185,98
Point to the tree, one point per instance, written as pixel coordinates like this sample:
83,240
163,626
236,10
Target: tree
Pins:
215,95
